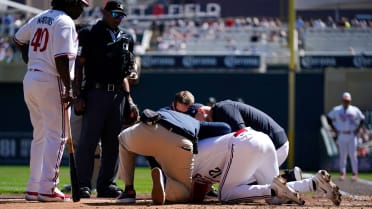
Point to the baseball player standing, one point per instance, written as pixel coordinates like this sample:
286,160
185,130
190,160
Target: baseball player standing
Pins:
346,121
51,40
244,154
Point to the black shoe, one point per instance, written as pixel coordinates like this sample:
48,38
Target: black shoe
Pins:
66,189
84,192
112,191
127,197
294,174
212,193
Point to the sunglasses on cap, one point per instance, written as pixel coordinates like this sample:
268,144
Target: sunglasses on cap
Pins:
117,15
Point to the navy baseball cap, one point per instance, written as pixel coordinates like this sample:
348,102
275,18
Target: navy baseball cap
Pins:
115,6
193,109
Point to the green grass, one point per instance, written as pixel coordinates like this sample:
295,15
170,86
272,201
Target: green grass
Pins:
14,179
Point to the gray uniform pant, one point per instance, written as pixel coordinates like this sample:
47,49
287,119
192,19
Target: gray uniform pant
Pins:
172,151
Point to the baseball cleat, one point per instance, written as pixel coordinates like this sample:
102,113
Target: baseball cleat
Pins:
282,191
324,184
31,196
342,176
294,174
57,196
126,197
355,177
157,193
212,193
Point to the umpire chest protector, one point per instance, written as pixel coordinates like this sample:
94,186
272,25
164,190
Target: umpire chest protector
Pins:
107,54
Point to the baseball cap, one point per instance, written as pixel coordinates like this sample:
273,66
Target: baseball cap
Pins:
346,96
115,6
193,109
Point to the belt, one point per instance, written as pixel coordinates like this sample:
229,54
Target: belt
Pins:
346,132
170,127
35,70
107,86
167,126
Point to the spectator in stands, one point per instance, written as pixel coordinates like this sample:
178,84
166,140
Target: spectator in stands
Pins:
6,51
344,22
255,37
330,22
229,22
299,22
363,148
8,22
273,37
318,23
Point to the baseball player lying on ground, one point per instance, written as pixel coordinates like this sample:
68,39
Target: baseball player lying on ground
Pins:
249,154
239,115
245,154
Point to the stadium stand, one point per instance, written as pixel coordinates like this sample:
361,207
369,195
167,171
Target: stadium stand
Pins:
222,37
230,35
355,40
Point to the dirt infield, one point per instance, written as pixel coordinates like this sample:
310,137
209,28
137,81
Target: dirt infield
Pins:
355,195
144,202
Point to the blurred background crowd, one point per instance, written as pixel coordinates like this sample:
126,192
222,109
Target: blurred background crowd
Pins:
233,34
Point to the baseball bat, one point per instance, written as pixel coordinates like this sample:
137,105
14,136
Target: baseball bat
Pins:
75,187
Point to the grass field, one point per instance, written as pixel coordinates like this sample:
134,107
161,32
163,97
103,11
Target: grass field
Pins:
14,179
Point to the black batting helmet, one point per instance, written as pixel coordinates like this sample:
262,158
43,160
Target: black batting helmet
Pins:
62,4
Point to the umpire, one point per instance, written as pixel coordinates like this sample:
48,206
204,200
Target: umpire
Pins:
106,55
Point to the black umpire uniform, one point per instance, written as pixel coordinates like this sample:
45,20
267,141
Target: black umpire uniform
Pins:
107,56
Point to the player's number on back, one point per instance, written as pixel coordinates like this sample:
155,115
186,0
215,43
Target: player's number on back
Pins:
40,40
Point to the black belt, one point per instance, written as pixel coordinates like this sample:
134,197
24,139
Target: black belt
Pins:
107,86
35,70
170,127
346,132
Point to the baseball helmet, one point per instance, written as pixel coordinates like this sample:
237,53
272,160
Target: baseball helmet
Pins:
61,4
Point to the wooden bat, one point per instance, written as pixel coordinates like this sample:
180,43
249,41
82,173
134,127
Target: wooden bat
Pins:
75,187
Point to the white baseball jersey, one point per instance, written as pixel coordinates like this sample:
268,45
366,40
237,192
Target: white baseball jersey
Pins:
346,120
233,160
48,34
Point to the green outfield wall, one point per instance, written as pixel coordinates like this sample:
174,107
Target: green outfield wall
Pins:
266,91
